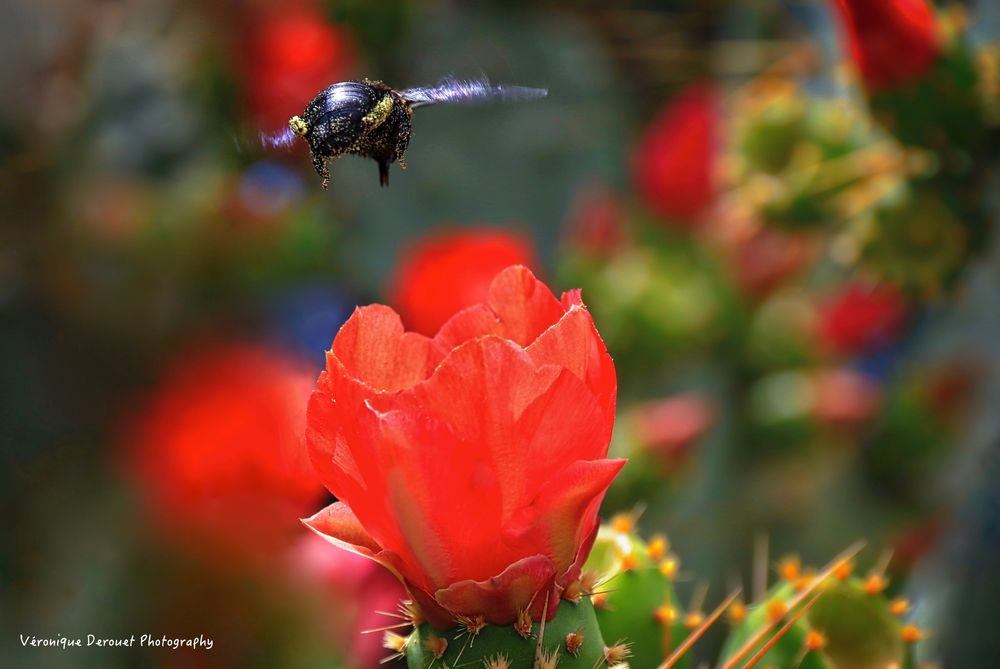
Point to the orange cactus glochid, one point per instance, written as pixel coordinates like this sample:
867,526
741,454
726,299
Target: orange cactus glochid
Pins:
471,463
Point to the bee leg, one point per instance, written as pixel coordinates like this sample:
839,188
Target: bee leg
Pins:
402,162
322,167
383,171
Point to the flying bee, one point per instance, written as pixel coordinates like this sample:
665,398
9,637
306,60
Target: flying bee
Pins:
368,118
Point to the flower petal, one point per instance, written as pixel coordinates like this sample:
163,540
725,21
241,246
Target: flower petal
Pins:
501,597
338,522
560,517
574,343
519,308
375,350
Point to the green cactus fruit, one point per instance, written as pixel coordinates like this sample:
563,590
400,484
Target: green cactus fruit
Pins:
636,603
571,640
851,625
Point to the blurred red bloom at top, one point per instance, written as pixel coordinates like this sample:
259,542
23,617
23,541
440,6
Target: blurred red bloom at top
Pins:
674,163
218,449
290,55
447,272
471,464
860,318
893,42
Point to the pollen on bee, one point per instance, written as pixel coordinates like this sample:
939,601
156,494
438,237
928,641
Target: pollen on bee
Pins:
815,641
298,126
574,640
899,606
436,645
658,547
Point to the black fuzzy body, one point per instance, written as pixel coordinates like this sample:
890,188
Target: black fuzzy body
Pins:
355,117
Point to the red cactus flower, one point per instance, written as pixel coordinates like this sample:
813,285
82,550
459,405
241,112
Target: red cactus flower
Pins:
472,463
595,223
290,55
893,42
861,318
222,438
668,427
845,398
674,163
449,271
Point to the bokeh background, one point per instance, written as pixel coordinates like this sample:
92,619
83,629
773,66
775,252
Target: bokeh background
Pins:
790,260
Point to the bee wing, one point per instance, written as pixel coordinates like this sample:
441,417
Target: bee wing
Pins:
451,90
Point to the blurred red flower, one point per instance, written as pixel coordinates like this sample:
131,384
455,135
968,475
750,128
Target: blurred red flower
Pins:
289,55
218,449
674,163
471,464
892,42
356,591
447,272
845,398
595,223
860,318
668,427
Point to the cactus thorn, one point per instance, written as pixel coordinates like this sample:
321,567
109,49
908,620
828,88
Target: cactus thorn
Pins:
912,634
523,624
498,661
548,659
875,584
573,641
697,634
789,568
617,653
754,659
657,547
471,625
737,612
814,641
666,615
776,610
760,551
396,643
540,654
844,570
845,557
899,606
436,645
669,566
